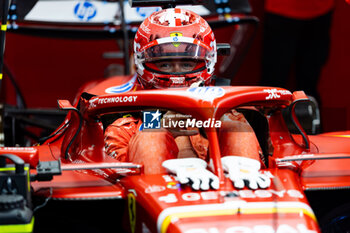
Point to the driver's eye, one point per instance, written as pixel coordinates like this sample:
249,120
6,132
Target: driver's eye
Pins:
176,66
188,66
164,66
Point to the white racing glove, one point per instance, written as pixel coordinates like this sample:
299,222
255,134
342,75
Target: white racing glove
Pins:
192,171
241,169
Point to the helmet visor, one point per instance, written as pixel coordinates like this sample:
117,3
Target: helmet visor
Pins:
174,50
175,66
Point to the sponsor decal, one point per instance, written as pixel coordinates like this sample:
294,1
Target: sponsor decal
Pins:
92,103
177,80
154,189
173,185
246,194
118,99
122,88
204,25
265,193
206,93
175,36
145,27
19,149
85,11
132,211
149,45
75,11
276,94
144,12
211,195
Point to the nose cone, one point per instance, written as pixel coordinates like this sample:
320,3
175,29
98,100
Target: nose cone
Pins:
239,217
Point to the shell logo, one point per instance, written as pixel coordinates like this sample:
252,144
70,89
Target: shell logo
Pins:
175,36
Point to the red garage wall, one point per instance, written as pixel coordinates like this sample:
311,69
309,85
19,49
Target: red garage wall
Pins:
48,69
335,79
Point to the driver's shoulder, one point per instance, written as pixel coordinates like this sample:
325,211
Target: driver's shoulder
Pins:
125,120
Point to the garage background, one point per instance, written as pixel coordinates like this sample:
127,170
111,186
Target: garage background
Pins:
51,68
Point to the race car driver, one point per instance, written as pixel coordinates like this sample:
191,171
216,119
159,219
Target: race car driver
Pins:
177,48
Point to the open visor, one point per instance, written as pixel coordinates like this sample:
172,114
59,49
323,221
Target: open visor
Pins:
174,48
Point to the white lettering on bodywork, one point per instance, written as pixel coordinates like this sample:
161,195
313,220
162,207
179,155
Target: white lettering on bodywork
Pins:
118,99
212,195
276,94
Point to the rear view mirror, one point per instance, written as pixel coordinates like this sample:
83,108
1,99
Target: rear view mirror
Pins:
308,114
65,105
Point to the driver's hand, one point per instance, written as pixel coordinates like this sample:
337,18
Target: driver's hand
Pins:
192,171
175,117
243,171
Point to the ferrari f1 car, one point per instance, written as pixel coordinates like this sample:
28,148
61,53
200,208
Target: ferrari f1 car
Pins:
92,192
69,184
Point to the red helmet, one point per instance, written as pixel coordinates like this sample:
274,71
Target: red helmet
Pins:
169,35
